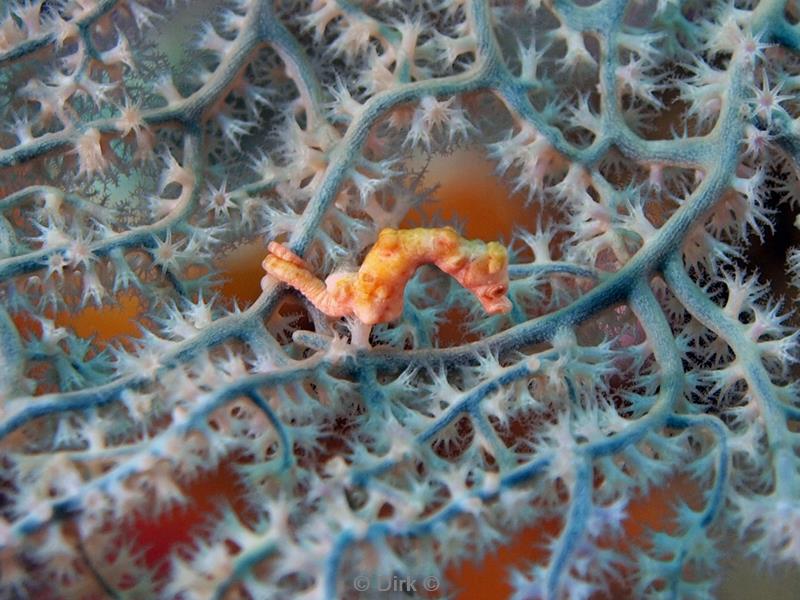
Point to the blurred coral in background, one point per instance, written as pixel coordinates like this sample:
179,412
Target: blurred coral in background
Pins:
167,430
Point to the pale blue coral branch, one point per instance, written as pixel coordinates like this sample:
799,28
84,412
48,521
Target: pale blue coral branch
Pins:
524,270
36,42
12,356
716,498
748,356
158,447
344,157
470,401
577,517
769,19
287,459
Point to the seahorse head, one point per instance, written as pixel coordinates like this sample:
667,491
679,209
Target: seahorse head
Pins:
487,278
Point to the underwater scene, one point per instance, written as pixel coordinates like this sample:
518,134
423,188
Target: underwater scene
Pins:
376,299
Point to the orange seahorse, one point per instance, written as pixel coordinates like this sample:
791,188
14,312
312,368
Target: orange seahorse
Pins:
375,293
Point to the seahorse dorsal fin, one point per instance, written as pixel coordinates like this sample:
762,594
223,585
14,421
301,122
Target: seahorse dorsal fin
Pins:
457,262
447,239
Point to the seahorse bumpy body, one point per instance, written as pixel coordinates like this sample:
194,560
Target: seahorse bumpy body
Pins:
375,293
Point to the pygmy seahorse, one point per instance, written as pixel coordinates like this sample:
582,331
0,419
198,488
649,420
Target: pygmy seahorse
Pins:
375,293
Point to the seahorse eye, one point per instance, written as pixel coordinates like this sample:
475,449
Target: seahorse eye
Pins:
497,291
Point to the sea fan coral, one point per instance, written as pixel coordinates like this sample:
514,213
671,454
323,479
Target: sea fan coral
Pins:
657,143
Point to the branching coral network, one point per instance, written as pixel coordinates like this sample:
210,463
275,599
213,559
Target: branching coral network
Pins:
657,140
